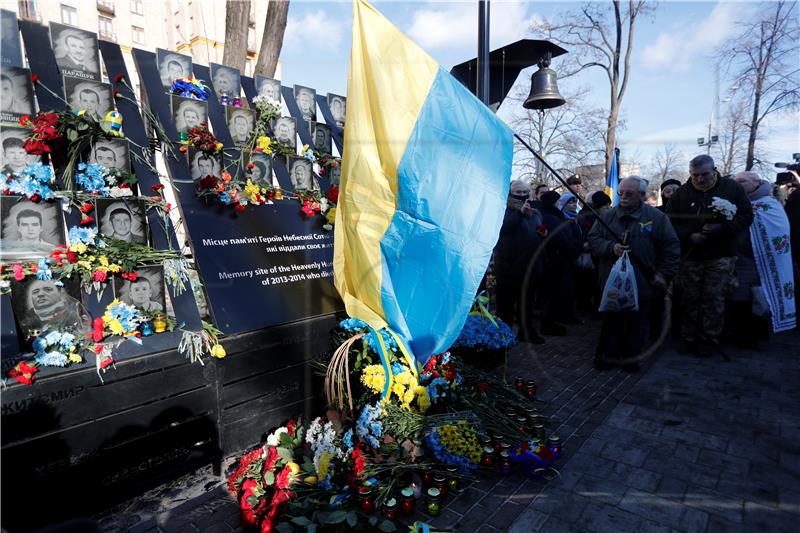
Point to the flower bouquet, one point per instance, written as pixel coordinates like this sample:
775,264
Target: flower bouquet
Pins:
484,340
535,459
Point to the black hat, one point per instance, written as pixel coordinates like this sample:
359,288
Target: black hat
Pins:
574,180
550,198
667,183
599,199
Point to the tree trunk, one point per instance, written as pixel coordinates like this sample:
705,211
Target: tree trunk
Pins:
272,40
611,135
237,15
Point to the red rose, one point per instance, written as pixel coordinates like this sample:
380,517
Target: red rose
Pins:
250,165
291,427
24,120
249,485
333,194
239,208
209,182
35,198
157,187
72,257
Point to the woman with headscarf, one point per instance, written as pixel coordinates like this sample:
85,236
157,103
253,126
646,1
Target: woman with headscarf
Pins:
563,245
513,261
763,267
668,188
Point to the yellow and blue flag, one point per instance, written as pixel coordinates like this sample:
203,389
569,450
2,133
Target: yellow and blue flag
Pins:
426,170
612,181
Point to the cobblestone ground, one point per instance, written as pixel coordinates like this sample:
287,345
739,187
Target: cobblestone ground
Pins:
687,444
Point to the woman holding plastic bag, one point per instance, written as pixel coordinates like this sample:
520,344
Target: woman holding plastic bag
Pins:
629,272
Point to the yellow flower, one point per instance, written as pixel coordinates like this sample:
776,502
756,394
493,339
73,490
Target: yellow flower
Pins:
218,147
85,264
113,267
104,260
218,351
330,216
263,143
91,258
310,480
294,468
116,327
324,462
78,248
423,399
75,358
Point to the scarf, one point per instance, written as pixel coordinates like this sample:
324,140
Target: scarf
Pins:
769,235
562,203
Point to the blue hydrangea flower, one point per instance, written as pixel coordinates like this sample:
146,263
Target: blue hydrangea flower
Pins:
479,332
353,325
35,179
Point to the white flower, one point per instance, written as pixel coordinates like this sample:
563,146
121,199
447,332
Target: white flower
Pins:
119,192
723,207
275,438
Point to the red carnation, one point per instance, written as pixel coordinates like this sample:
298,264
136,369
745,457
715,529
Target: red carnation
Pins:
34,77
209,182
72,257
250,165
24,120
119,77
239,208
99,275
87,208
106,362
157,187
35,198
291,427
86,221
333,194
168,207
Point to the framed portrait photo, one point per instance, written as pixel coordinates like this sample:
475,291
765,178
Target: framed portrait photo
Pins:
76,51
92,97
147,291
10,46
202,165
261,173
29,230
285,131
301,174
188,112
306,99
241,123
47,304
111,153
122,218
172,65
13,157
322,137
338,106
268,87
226,80
335,175
16,98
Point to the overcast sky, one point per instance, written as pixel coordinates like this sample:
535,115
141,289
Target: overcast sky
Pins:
670,96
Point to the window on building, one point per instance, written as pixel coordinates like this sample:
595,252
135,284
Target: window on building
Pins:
27,8
137,34
137,7
69,15
105,26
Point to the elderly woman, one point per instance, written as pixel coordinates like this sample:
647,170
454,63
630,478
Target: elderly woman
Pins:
514,261
764,267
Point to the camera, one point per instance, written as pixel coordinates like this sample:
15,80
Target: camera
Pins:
786,177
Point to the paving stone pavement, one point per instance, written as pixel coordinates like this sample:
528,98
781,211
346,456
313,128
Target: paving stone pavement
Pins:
685,445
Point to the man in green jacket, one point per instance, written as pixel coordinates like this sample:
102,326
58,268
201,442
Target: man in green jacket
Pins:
708,212
655,252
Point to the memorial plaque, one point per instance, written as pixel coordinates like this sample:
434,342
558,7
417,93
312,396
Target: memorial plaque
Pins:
227,80
14,158
146,292
268,87
92,97
261,173
10,48
306,99
76,51
111,153
338,106
16,98
285,129
188,113
29,230
202,164
240,123
122,218
322,138
172,65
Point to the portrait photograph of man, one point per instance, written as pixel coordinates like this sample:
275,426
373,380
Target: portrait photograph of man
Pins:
14,158
261,173
172,66
16,94
111,153
301,173
306,99
93,97
47,304
226,80
268,87
334,175
202,165
76,51
338,105
10,46
240,123
122,219
146,291
322,137
188,113
29,229
285,129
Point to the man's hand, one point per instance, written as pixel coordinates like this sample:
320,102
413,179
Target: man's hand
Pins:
619,248
527,209
710,229
697,238
659,281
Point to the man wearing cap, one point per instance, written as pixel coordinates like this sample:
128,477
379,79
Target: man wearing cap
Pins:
575,183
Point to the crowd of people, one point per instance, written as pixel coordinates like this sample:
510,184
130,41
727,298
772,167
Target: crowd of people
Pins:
713,262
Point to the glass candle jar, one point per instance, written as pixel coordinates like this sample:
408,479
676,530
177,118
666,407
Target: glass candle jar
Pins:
530,389
505,463
488,456
407,501
160,323
452,479
519,384
521,421
390,509
147,328
485,440
223,99
366,497
426,479
434,503
538,430
237,102
440,482
554,445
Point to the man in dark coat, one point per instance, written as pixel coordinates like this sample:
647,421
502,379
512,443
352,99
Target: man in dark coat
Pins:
708,212
793,213
656,255
514,261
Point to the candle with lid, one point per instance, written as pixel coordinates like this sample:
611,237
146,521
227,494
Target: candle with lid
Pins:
488,456
407,504
433,505
554,445
366,496
440,482
390,509
505,463
519,384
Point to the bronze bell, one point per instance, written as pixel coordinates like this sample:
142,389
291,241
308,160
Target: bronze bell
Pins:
544,88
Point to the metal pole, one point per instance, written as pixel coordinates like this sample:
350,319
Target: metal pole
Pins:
482,87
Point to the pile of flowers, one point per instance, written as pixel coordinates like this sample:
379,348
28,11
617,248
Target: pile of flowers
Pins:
480,333
97,180
45,136
35,181
202,139
267,108
56,348
456,445
190,88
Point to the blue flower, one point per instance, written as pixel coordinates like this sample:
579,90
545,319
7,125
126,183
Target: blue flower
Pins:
85,236
479,332
43,271
348,439
353,325
92,178
52,359
369,426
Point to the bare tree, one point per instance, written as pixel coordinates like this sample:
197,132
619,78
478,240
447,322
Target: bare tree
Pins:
237,17
602,36
566,136
762,58
272,40
731,150
669,162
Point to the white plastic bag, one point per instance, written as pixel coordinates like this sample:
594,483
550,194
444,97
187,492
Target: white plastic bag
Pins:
620,292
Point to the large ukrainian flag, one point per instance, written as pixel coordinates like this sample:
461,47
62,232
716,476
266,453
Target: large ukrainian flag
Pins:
426,170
